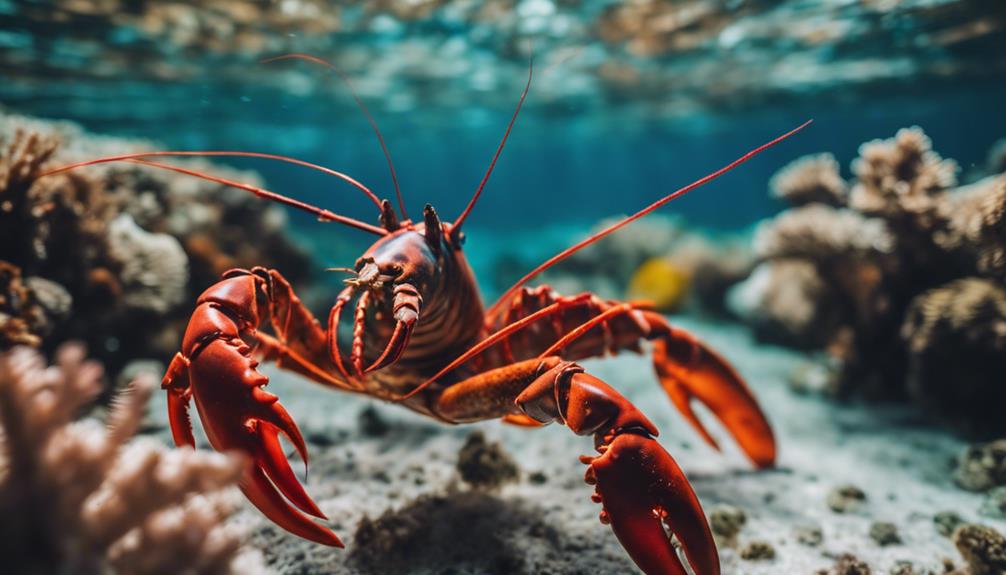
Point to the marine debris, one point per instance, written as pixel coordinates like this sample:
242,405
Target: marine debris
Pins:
896,274
114,255
83,497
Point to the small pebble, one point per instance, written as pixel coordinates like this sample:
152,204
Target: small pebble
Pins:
727,520
982,466
946,522
809,535
884,533
995,503
903,568
847,564
846,499
371,423
758,551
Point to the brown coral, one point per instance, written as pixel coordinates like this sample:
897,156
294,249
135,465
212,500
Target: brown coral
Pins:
810,179
77,498
121,244
983,548
821,233
955,337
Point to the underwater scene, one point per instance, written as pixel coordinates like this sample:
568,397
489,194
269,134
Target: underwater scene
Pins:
503,287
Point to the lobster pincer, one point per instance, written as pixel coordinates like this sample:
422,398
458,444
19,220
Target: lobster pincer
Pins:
216,369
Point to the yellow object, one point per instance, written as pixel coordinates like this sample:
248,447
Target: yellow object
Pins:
660,281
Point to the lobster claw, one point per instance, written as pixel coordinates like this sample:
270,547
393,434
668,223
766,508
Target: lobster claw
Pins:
239,415
688,369
642,489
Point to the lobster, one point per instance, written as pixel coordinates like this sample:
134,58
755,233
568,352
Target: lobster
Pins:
417,334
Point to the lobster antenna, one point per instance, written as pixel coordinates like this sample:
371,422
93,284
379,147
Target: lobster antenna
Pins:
626,221
363,108
141,155
323,214
456,227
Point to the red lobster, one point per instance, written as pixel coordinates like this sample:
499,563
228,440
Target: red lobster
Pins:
419,336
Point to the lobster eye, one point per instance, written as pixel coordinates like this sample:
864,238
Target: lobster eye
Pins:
395,270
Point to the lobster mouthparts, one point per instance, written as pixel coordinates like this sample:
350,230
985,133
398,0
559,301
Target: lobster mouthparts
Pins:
643,490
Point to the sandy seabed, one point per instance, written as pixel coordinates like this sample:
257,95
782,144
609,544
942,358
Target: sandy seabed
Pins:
545,522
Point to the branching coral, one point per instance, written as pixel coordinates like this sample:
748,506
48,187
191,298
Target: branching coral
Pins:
77,498
811,179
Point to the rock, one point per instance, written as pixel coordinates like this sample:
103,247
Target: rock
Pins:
946,522
485,465
727,521
884,533
809,535
758,551
846,499
371,423
982,466
995,503
847,564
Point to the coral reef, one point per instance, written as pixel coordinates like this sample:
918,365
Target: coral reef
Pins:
79,498
896,275
117,250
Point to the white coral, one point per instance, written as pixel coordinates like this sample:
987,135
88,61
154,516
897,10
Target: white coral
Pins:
155,269
77,498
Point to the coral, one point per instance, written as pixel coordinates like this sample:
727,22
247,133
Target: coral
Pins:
983,548
22,320
154,269
901,176
785,300
955,337
117,249
79,498
982,467
977,231
850,276
661,282
822,234
810,180
485,465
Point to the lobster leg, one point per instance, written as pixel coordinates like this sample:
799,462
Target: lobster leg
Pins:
216,369
644,492
686,367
